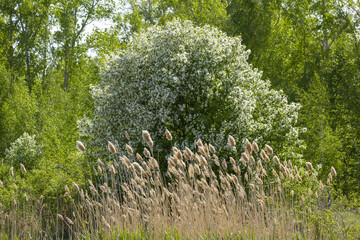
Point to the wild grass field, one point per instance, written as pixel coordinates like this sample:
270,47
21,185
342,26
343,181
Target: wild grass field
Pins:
252,195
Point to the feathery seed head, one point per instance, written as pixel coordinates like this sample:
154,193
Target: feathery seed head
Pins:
275,173
232,160
330,177
154,162
199,143
260,165
75,186
11,171
248,146
137,168
23,169
68,220
262,154
125,161
191,171
138,156
244,157
212,149
255,147
147,153
291,177
252,160
168,135
188,153
111,147
202,150
197,169
282,168
258,180
290,165
249,170
129,149
127,135
216,160
146,136
276,160
224,165
231,141
309,166
333,171
80,146
179,155
112,169
60,217
100,163
268,149
298,178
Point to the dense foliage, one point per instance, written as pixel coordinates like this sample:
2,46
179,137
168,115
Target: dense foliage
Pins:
195,82
52,52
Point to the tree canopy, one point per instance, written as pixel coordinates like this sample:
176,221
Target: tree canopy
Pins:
197,83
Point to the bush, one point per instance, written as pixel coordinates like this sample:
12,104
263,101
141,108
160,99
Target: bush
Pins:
197,83
24,150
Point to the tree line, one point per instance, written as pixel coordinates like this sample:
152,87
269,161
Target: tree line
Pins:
309,49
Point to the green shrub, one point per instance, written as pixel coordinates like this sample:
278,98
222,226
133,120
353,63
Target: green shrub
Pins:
24,150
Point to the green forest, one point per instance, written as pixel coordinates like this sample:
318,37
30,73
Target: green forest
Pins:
179,119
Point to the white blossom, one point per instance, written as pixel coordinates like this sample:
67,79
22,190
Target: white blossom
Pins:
196,80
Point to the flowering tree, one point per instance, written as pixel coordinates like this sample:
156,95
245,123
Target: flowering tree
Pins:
25,150
197,83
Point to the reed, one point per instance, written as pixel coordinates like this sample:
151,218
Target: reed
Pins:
198,197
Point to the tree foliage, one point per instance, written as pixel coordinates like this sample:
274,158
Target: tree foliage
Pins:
25,150
197,83
310,50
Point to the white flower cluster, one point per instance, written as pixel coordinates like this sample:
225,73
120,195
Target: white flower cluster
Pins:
24,150
197,83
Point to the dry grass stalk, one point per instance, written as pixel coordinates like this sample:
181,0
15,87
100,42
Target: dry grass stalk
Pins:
198,199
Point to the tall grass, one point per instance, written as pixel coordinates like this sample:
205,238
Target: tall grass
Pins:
200,196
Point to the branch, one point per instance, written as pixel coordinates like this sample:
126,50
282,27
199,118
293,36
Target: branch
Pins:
297,20
192,13
342,29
